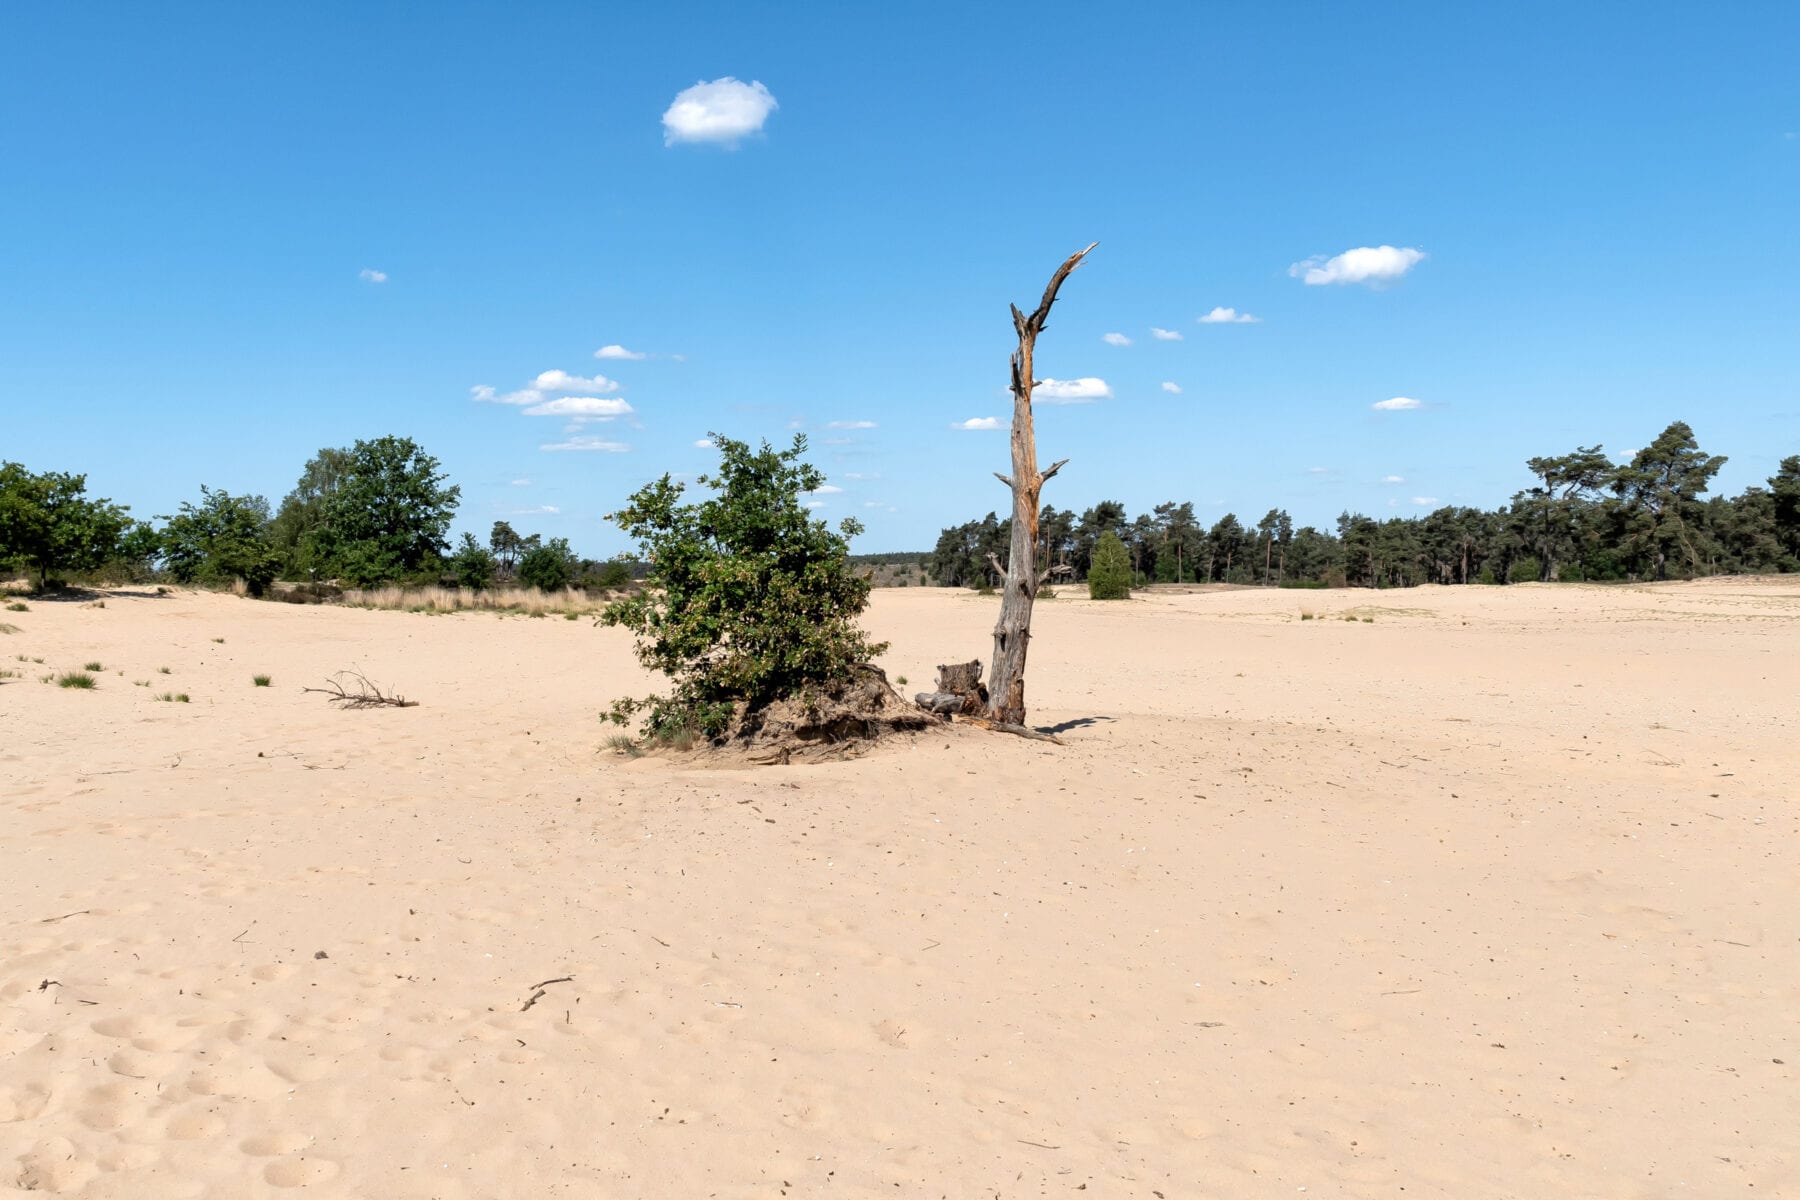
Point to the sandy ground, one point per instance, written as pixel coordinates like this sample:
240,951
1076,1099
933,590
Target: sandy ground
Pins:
1495,895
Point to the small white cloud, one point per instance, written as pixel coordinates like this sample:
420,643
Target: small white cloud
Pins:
1393,479
1424,501
1227,316
1115,339
815,504
861,475
1397,404
488,395
1071,391
590,408
850,425
587,443
521,483
1365,264
1174,389
540,510
371,275
1318,470
703,443
562,381
978,423
825,489
722,111
617,351
1166,335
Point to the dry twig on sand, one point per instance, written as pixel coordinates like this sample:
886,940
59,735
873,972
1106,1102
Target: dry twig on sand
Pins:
367,694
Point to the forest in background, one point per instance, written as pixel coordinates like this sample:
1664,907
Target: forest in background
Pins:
1583,518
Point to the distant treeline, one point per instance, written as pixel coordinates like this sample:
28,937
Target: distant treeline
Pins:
1583,518
376,513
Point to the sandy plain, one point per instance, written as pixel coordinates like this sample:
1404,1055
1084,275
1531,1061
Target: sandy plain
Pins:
1495,895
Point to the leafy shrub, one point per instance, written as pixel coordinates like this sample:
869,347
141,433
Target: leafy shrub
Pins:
549,567
611,576
750,598
224,537
1109,573
472,564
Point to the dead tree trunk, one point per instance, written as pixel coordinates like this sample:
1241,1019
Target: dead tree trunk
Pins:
1012,633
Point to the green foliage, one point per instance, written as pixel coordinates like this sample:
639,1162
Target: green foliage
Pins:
75,679
174,697
1784,487
225,537
93,666
612,575
750,598
18,606
47,522
260,680
294,530
386,515
472,564
549,567
1109,576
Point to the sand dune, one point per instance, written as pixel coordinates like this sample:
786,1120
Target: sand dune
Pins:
1495,894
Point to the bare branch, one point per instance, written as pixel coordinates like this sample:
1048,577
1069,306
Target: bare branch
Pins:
1056,466
366,695
994,561
1016,730
1042,314
1006,479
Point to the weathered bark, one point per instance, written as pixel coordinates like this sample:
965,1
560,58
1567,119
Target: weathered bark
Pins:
1012,632
963,680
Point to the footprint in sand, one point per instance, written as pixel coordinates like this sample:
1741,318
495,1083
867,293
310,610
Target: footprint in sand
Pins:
300,1172
273,1145
23,1102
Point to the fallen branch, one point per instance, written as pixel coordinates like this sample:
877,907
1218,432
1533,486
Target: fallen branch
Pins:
1015,730
538,990
367,694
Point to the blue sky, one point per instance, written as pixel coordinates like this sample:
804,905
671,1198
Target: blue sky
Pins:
1607,198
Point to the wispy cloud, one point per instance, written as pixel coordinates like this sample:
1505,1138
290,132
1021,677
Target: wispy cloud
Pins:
521,483
549,510
1174,389
1166,335
562,381
724,112
978,423
1397,404
594,408
371,275
1365,264
1085,390
1318,470
826,489
1115,339
587,443
703,443
815,504
617,351
862,475
1424,501
1226,316
1393,479
849,424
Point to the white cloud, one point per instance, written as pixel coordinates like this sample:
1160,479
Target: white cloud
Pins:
1318,470
587,443
815,504
562,381
703,443
540,510
825,489
849,424
722,111
617,351
978,423
1424,501
521,483
1166,335
371,275
1393,479
1227,316
1071,391
1365,264
1397,404
592,408
1174,389
1115,339
862,475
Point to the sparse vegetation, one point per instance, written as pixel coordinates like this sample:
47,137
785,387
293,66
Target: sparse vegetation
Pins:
7,628
174,697
93,666
445,600
76,679
624,743
260,680
18,606
219,641
162,670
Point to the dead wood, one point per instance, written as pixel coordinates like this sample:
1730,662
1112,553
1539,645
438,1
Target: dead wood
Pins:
367,694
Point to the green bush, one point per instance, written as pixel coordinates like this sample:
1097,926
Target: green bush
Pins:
611,576
472,564
550,567
225,537
750,598
1109,573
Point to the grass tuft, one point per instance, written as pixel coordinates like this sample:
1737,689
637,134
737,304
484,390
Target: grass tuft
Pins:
174,697
93,666
76,679
220,641
260,680
624,743
18,606
162,670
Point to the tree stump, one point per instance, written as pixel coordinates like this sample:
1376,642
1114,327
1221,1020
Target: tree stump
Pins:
959,690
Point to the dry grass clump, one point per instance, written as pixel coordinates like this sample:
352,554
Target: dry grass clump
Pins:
75,679
571,602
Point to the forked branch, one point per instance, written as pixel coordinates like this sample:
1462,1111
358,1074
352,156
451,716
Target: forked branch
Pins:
367,694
